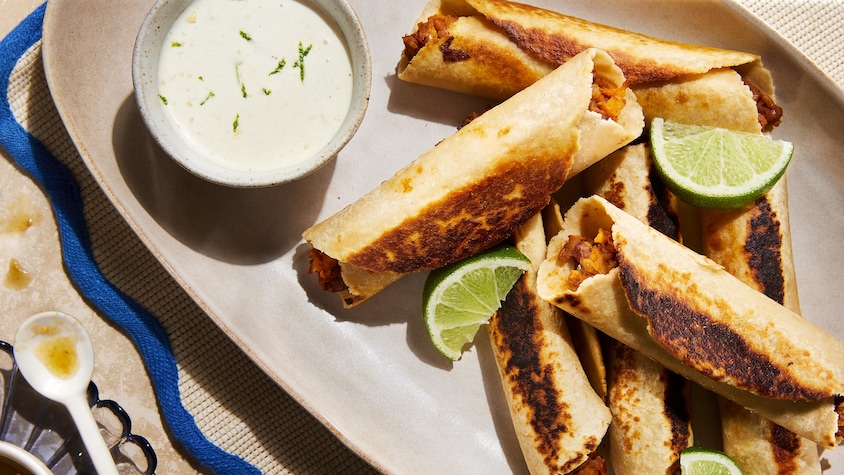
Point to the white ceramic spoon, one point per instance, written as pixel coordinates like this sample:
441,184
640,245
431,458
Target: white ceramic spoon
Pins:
55,355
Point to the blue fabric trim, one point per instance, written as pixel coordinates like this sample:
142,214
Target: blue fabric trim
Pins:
64,194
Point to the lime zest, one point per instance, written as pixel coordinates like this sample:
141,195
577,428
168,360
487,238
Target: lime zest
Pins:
461,297
713,167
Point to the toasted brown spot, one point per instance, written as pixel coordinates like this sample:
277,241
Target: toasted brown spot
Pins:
558,49
406,185
624,375
518,336
708,346
676,411
661,215
468,220
351,300
615,193
627,375
786,448
569,299
763,248
452,55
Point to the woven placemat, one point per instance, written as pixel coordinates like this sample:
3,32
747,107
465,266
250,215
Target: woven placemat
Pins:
236,405
815,27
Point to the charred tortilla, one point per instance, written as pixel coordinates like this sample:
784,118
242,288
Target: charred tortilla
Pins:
557,415
477,186
693,317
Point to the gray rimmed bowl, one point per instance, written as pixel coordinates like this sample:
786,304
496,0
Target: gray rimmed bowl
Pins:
145,76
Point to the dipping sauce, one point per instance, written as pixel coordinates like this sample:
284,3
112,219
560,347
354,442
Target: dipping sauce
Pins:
57,352
255,84
10,467
17,278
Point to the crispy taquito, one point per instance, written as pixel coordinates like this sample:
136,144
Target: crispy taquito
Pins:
495,48
477,186
558,418
586,340
693,317
754,244
650,405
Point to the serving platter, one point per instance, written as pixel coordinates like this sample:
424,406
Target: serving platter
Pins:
370,373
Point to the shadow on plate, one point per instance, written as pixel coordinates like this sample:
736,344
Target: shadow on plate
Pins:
399,303
236,225
431,104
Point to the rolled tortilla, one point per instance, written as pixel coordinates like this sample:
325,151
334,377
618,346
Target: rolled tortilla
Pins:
761,447
474,188
718,98
628,179
696,319
495,48
652,421
584,337
482,35
754,244
558,418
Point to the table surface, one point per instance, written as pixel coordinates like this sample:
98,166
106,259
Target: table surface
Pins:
814,27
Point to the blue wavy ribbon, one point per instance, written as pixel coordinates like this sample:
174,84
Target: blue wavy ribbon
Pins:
63,192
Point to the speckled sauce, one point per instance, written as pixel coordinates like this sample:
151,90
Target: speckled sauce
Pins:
58,354
256,84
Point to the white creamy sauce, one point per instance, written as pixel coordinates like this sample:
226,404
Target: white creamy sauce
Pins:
232,80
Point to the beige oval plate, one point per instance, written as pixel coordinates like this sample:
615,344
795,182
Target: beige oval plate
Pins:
370,373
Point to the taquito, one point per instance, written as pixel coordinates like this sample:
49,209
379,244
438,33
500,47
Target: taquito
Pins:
495,48
475,187
686,312
651,418
628,179
754,244
558,418
586,340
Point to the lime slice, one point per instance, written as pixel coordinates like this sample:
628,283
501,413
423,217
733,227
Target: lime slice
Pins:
698,461
461,297
711,167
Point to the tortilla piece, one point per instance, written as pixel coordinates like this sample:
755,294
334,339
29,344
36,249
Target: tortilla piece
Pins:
650,405
474,188
628,179
515,42
693,317
651,421
754,244
761,447
718,98
558,417
584,337
498,67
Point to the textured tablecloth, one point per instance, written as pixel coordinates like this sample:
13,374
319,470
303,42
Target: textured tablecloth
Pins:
233,403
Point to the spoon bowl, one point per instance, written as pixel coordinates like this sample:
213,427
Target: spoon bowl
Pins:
55,355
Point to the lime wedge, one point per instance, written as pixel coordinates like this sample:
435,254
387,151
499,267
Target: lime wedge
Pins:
711,167
461,297
699,461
